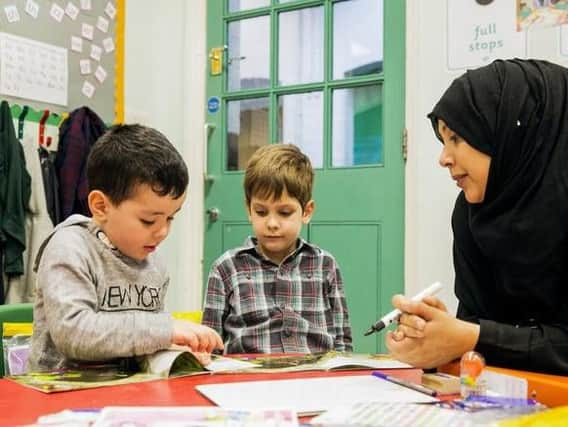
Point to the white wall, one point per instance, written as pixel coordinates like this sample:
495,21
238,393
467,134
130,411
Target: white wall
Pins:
165,89
430,193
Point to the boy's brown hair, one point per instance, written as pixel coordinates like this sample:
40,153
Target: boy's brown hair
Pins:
278,167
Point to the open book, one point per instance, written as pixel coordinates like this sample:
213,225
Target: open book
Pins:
328,361
178,363
162,364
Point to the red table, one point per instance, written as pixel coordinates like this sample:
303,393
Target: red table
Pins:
22,405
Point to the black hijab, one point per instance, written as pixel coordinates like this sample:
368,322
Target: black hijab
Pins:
511,250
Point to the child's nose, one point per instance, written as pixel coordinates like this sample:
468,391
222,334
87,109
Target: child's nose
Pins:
272,222
163,231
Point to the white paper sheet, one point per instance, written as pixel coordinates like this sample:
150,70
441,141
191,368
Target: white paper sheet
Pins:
310,395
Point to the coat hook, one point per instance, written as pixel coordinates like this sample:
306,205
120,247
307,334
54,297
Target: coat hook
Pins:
21,119
42,125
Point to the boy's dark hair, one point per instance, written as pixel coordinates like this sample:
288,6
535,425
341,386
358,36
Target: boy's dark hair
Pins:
278,167
126,156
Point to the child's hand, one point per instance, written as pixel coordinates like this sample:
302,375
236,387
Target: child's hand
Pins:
198,337
204,358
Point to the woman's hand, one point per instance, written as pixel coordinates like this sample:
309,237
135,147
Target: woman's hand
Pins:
427,335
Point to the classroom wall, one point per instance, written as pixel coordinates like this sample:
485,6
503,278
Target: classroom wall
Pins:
165,88
430,193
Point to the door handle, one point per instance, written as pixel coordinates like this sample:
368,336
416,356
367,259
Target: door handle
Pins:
207,131
213,214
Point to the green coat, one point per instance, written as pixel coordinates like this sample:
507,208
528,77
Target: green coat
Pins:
15,191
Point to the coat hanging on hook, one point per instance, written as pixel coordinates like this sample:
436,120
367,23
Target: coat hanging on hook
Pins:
77,135
14,191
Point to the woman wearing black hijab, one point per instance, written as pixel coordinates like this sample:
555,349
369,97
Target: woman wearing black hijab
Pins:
504,129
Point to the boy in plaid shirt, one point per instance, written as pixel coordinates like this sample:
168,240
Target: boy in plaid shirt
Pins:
278,293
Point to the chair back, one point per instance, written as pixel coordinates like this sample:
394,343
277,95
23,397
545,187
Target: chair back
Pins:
192,316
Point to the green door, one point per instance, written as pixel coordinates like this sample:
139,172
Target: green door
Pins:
327,76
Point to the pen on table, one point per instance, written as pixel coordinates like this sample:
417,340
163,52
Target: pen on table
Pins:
404,383
387,319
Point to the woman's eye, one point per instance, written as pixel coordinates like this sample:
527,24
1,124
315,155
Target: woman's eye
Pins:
285,213
260,213
146,222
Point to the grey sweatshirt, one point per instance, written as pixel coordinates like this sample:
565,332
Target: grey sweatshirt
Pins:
94,303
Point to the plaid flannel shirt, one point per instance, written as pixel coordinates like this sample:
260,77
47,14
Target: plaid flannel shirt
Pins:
257,306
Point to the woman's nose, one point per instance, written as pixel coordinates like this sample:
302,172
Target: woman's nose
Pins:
445,159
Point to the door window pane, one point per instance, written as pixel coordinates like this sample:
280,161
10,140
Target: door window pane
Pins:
300,46
247,130
357,38
248,56
300,122
358,126
238,5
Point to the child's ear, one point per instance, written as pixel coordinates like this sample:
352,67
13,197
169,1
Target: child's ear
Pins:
308,211
98,205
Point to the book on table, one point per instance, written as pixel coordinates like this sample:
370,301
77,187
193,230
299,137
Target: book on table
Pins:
326,361
180,362
162,364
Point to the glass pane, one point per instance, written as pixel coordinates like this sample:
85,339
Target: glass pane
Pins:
300,46
300,122
248,56
358,126
238,5
357,38
247,130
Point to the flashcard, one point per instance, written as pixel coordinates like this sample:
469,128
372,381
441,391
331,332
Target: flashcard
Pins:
76,44
85,65
96,52
32,8
102,24
100,74
12,14
110,10
87,31
56,12
108,44
88,89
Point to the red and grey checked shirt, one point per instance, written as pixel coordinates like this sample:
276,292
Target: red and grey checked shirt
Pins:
259,307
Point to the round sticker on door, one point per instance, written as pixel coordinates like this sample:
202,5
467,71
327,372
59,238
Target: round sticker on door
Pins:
213,104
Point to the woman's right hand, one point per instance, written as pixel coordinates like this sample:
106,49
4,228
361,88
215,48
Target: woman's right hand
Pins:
412,325
427,335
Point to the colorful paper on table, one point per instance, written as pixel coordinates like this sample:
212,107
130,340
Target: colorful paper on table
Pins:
204,416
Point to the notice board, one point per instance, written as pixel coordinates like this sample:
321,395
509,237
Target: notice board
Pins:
61,55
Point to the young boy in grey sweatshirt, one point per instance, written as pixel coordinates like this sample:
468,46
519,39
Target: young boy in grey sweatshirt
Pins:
101,286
